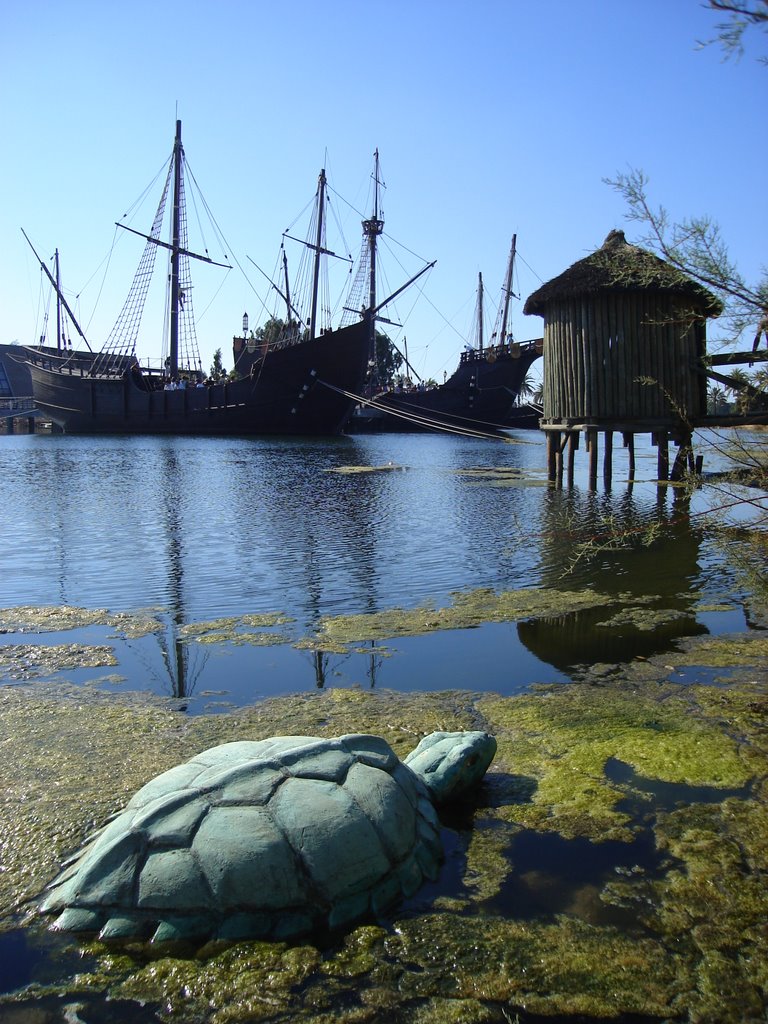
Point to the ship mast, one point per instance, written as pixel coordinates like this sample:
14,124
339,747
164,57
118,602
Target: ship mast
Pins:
289,308
58,303
57,287
372,228
318,253
178,156
480,311
507,292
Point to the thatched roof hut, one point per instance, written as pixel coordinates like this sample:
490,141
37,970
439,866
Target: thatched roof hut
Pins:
624,336
618,266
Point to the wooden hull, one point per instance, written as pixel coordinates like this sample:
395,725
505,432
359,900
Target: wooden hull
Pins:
293,390
482,396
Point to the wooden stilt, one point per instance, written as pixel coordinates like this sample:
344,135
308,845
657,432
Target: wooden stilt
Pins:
608,458
553,443
683,458
592,447
573,444
678,465
559,458
629,444
662,442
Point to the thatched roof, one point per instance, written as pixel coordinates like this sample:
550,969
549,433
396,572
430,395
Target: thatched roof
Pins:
619,266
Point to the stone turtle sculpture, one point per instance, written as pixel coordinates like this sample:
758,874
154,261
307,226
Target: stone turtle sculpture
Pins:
270,839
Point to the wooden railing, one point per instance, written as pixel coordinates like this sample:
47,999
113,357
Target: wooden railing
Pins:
10,407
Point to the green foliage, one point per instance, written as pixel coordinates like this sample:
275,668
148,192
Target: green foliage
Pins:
388,361
717,401
270,331
217,371
742,14
696,247
527,386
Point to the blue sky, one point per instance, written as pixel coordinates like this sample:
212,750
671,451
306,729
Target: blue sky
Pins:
491,117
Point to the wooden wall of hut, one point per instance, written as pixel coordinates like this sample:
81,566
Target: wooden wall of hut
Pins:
623,357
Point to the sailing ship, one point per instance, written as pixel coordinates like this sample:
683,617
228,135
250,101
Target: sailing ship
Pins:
482,396
298,384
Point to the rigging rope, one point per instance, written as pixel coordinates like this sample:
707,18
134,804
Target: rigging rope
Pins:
121,341
423,421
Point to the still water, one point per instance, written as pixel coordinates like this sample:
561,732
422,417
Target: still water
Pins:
198,529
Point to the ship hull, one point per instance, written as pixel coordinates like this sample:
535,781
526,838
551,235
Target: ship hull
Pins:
293,390
481,396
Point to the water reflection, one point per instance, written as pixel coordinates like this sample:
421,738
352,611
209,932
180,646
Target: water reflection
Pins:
330,668
212,528
597,540
183,664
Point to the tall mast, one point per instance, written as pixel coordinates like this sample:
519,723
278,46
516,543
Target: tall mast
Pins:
480,311
287,287
372,228
508,291
318,253
178,155
58,303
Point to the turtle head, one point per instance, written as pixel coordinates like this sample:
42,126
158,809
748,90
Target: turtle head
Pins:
452,763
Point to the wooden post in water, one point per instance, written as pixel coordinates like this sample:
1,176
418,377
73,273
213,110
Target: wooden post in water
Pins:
592,448
684,459
629,444
661,440
608,458
573,444
553,443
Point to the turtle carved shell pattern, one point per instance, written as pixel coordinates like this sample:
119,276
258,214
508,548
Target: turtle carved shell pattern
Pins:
274,839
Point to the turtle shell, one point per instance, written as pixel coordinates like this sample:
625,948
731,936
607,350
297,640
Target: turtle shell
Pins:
271,839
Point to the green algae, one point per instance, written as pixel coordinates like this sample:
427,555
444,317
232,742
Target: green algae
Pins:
75,761
259,978
488,866
563,739
725,651
465,967
699,952
28,661
238,630
56,618
239,639
321,645
645,619
467,610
